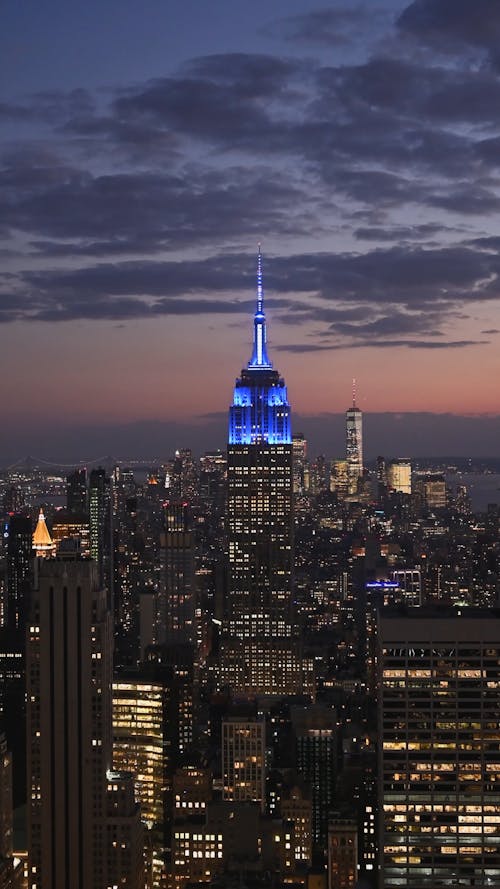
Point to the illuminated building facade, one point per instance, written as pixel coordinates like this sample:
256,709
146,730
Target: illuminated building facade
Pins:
259,508
71,526
260,527
43,545
354,444
296,807
243,760
142,745
339,478
439,760
399,476
299,452
192,790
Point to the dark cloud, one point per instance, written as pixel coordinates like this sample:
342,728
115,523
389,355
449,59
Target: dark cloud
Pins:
141,211
418,288
399,233
453,21
300,348
330,27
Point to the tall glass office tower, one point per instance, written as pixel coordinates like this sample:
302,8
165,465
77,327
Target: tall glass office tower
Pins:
354,443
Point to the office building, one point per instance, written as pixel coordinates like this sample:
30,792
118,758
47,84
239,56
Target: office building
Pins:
296,808
101,526
72,526
43,546
259,509
243,760
76,492
176,597
69,668
259,521
18,533
339,478
299,455
11,868
342,854
144,744
439,756
354,443
399,477
316,752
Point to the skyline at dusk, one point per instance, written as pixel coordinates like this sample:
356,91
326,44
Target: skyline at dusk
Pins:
146,152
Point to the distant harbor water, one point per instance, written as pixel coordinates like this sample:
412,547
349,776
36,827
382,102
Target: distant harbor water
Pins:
482,488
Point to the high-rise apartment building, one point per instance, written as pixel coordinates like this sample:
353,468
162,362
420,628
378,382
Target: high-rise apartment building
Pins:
354,444
69,671
439,753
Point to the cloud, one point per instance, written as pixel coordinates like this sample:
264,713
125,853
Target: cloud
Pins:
450,22
127,212
397,290
299,348
399,233
328,27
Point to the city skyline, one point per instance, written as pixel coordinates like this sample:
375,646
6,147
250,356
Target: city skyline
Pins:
142,163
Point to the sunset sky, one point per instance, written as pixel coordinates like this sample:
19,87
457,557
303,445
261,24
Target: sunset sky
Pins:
147,149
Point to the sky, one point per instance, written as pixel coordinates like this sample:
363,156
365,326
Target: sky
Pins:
146,149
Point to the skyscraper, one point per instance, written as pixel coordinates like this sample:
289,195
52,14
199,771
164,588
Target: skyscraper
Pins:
71,810
76,492
176,600
260,527
243,759
439,758
354,443
260,484
101,523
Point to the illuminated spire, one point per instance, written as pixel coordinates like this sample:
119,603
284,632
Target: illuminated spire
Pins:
354,392
259,355
42,541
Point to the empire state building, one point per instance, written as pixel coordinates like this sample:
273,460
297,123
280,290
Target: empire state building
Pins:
260,482
260,645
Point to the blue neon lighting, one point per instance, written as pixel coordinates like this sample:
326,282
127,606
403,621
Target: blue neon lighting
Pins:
260,409
259,355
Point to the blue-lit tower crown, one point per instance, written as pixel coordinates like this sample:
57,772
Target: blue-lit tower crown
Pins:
260,411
